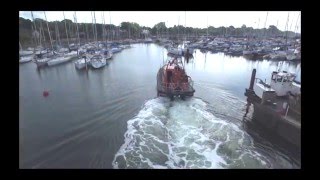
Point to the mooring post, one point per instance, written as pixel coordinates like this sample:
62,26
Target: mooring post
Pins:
85,59
253,77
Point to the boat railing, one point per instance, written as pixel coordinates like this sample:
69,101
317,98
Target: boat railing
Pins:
262,82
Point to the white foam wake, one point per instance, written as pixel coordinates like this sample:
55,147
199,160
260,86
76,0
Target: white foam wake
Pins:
184,134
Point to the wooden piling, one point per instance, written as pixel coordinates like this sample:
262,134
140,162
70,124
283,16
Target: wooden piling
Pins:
253,77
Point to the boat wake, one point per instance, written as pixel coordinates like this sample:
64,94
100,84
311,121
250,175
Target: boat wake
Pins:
185,134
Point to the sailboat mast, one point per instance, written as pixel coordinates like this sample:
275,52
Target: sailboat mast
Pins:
75,20
20,46
185,25
286,31
178,27
95,25
110,26
48,30
35,29
296,27
44,38
58,34
207,27
65,24
103,27
87,33
265,23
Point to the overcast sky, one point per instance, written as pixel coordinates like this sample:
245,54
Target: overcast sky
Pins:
200,19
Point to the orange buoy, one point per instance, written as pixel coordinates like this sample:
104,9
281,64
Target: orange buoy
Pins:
45,93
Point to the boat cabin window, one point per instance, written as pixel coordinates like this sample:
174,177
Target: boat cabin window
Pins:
279,79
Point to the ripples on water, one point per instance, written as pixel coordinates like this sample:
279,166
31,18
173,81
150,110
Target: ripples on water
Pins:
82,122
186,134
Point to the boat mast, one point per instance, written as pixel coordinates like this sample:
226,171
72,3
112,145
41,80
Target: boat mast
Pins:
58,34
258,27
75,20
265,23
286,31
185,25
65,24
40,36
87,33
296,27
207,27
48,30
20,46
178,28
95,25
110,26
44,38
103,28
35,29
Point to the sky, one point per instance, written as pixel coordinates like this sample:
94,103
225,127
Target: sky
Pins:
199,19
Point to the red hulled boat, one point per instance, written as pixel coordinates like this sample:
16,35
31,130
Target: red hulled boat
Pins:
172,80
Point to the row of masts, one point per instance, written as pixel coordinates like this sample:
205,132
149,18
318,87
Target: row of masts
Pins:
39,37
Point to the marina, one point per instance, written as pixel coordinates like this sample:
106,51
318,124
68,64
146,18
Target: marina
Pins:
160,101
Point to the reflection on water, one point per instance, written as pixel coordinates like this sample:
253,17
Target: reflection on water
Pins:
95,118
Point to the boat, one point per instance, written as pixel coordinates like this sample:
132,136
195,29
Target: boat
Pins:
81,63
116,49
25,53
97,61
284,83
24,59
42,59
281,84
107,54
175,51
59,60
41,62
172,80
277,105
148,40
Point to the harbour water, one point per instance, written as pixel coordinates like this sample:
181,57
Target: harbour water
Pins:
112,117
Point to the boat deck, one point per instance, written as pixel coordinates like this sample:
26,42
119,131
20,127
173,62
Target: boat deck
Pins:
170,90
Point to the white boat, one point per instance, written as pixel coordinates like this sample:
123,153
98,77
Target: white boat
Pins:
41,62
24,59
25,53
81,63
97,61
59,60
175,51
107,54
71,54
148,40
281,84
116,50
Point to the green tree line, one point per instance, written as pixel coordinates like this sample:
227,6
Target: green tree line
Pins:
131,30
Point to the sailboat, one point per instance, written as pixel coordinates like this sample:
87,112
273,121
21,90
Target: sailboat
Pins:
97,61
176,51
26,56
